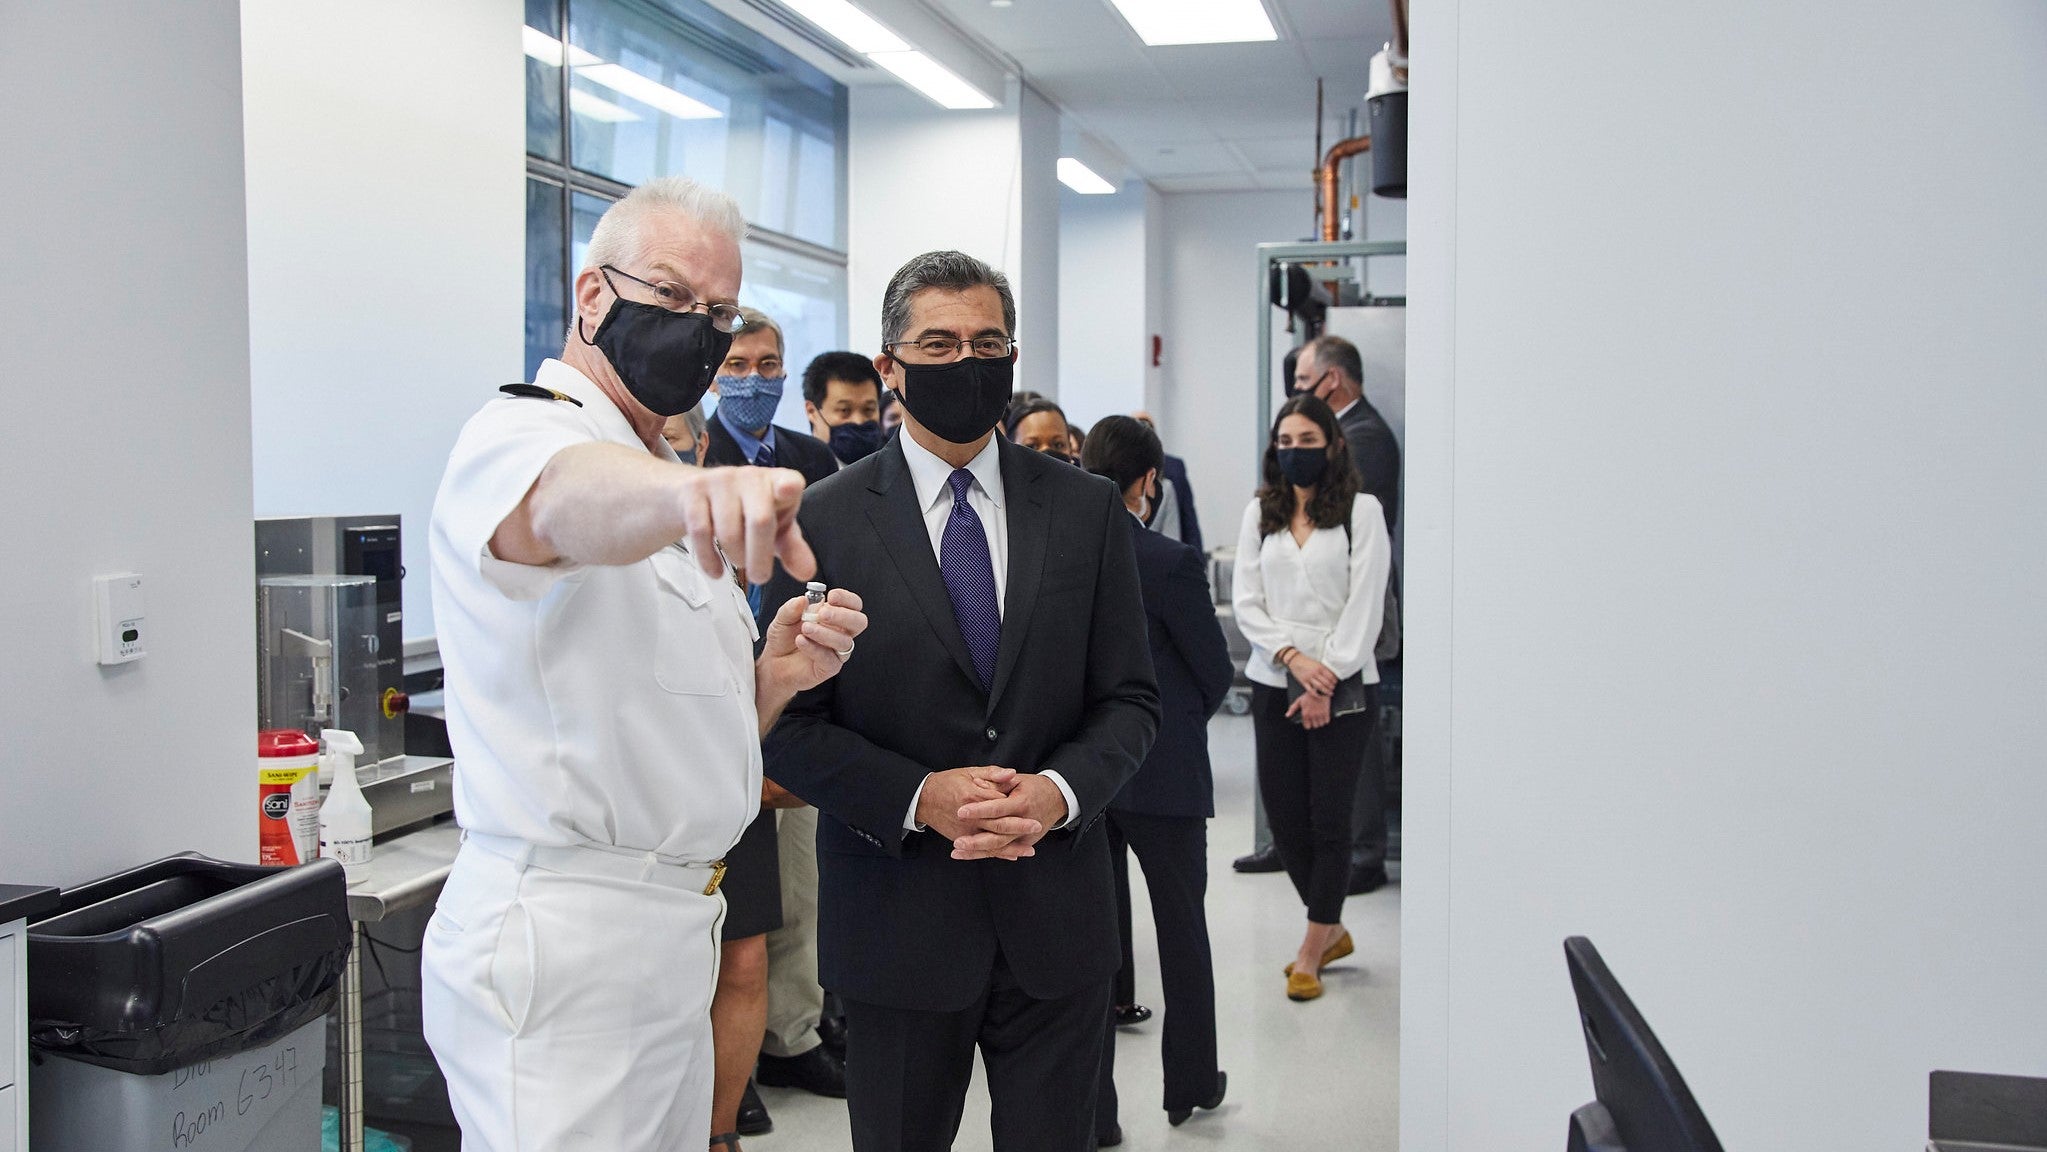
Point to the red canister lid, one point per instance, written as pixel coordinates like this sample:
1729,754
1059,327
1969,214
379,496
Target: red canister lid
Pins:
285,742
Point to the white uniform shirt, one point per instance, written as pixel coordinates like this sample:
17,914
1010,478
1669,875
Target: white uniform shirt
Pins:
606,705
1317,596
932,478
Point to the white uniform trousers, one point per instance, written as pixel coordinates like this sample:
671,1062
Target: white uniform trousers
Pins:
567,998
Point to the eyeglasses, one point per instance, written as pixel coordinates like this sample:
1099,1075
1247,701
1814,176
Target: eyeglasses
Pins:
936,348
680,298
769,366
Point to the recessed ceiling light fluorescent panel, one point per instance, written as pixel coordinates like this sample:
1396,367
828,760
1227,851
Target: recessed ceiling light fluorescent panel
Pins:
849,25
1082,179
1160,22
934,80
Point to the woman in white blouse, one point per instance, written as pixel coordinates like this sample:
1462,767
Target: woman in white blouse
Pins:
1312,559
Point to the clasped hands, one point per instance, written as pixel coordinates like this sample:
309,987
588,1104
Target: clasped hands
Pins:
990,813
1313,705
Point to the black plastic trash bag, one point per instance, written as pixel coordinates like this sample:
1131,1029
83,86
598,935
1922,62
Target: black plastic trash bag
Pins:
184,960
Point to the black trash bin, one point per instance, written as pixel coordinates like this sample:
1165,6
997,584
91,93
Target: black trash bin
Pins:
183,1003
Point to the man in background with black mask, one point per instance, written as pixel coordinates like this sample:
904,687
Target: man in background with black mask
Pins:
604,694
842,397
961,768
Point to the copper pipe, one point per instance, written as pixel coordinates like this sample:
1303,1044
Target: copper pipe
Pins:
1318,152
1327,184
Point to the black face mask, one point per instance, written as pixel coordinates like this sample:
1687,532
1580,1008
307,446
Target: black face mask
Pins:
959,402
667,360
1303,467
1293,389
856,441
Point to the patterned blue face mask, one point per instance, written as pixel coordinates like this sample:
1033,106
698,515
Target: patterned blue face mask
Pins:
749,402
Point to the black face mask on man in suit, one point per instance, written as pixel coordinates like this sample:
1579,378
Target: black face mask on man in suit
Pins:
962,401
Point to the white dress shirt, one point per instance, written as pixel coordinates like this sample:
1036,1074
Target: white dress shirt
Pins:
1322,597
932,478
605,705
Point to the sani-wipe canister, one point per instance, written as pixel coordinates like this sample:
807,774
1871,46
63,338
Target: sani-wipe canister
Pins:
287,797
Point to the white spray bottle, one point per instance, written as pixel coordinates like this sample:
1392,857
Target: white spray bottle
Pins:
345,817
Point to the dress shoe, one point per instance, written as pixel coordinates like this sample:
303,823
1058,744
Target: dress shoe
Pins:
818,1071
1266,861
1363,880
1110,1138
1337,950
753,1115
832,1030
1303,986
1179,1116
1129,1015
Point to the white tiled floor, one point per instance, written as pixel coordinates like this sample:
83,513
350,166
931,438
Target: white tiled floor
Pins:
1321,1075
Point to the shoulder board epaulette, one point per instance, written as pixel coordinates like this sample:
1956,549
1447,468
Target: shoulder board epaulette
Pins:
536,392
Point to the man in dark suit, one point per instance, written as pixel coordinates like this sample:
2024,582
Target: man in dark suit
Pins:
1186,524
1163,812
742,431
1330,367
964,758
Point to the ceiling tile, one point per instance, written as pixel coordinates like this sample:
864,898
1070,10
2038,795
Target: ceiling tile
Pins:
1187,160
1030,25
1313,20
1232,116
1245,183
1295,151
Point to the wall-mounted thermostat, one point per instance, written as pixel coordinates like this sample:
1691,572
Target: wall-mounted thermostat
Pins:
121,624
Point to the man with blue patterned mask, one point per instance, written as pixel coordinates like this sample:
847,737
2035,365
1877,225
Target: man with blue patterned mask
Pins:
742,428
749,383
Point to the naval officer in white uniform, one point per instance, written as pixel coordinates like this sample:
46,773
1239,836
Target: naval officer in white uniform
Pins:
604,704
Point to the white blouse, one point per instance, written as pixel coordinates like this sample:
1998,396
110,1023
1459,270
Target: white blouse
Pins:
1317,596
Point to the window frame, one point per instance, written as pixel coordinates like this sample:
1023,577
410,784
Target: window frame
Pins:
572,180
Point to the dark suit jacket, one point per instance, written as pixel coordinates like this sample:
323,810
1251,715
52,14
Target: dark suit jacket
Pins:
1377,455
1190,524
799,450
1192,660
901,923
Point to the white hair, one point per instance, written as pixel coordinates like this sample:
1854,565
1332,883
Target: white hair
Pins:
616,239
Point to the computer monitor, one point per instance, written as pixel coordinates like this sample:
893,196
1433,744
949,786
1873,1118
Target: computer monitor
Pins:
1642,1103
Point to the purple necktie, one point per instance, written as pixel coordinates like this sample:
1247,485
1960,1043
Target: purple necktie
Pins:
970,579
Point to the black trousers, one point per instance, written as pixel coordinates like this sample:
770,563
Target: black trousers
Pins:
1173,850
1309,781
907,1071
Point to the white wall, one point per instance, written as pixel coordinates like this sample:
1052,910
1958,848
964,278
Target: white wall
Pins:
921,178
1208,409
1104,343
1154,296
1725,632
127,436
387,219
